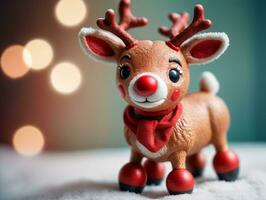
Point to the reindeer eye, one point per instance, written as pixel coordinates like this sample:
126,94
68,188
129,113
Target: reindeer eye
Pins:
124,71
174,75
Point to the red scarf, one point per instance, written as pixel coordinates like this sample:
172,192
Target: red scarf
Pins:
152,129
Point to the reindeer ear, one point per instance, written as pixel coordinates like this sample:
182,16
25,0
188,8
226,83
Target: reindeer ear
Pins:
100,44
205,48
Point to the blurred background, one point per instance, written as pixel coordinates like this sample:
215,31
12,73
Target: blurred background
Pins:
53,97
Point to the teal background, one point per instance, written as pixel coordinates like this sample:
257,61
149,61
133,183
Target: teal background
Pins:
92,116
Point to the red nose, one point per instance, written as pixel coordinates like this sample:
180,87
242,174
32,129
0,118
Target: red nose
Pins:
146,86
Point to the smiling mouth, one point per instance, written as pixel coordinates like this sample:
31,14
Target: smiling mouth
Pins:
147,101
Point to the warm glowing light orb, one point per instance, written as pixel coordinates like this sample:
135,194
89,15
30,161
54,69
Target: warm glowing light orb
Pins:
15,61
70,12
28,141
65,78
41,54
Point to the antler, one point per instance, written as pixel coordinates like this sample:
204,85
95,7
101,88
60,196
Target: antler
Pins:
198,24
180,22
127,21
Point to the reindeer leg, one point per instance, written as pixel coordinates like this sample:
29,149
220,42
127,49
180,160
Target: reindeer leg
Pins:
135,157
225,162
195,164
180,180
132,176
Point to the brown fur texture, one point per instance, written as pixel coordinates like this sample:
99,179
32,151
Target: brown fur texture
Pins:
205,121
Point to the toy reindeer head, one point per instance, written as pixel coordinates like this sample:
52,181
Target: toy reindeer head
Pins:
153,75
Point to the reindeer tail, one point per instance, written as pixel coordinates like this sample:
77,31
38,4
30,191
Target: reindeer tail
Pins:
209,83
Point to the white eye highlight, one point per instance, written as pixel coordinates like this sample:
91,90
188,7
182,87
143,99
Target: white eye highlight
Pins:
180,70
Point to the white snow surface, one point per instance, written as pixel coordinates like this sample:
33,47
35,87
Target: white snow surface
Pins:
92,174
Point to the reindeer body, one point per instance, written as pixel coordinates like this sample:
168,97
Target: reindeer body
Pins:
204,121
162,121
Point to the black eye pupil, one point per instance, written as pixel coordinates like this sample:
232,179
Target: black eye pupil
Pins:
174,75
124,72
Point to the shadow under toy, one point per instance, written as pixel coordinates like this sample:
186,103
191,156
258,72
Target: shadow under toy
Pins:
162,121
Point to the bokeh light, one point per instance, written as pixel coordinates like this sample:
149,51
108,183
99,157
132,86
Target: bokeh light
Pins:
70,12
28,141
15,61
41,53
65,78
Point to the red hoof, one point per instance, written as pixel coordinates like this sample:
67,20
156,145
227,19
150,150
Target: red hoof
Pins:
155,172
226,165
132,176
180,181
195,164
225,161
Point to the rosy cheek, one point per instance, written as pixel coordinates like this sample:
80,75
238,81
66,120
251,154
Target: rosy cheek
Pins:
121,90
175,95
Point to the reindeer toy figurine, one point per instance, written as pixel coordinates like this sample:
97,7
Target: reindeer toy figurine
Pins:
163,122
